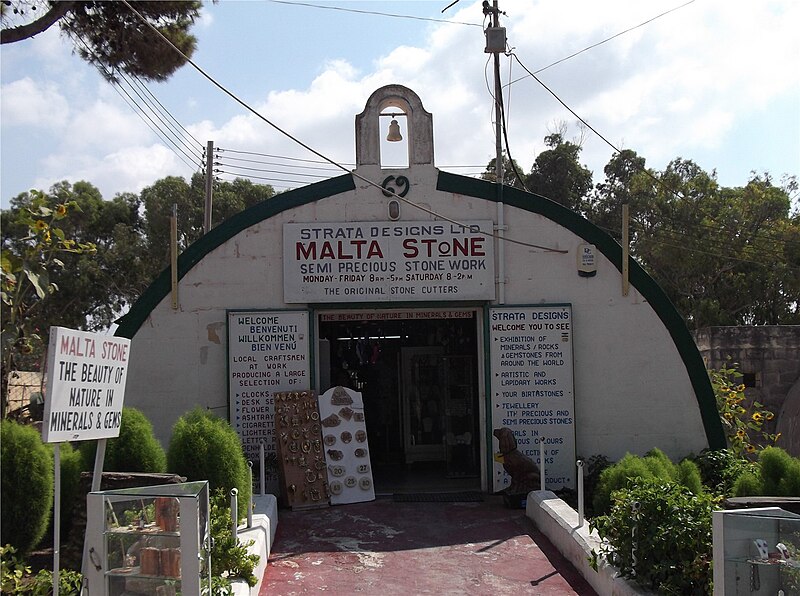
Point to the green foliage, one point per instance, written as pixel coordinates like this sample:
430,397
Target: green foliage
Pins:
688,475
29,259
777,475
593,467
71,467
26,486
205,447
229,558
720,469
13,570
136,449
69,582
655,465
668,531
558,175
742,419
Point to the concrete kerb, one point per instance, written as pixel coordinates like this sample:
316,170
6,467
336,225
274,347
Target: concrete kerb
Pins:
559,522
262,534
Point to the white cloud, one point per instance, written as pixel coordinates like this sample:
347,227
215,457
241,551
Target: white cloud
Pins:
672,87
30,103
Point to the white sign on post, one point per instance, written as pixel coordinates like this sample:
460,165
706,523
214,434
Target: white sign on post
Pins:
86,375
268,352
532,387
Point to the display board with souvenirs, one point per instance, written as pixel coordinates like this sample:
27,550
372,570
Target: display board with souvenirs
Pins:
344,437
301,457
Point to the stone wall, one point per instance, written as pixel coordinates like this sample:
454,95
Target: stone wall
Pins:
771,354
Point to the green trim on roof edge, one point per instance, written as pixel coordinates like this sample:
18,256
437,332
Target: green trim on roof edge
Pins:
130,323
644,284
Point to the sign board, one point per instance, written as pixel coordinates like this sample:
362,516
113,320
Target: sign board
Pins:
532,387
268,352
86,375
388,261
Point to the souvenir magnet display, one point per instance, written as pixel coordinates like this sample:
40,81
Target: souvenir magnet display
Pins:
303,469
346,447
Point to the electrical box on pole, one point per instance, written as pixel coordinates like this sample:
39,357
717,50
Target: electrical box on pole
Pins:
495,40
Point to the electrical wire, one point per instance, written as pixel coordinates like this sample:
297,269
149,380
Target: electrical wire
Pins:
164,110
144,116
374,13
181,141
599,43
317,153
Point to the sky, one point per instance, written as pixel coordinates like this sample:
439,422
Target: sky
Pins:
714,81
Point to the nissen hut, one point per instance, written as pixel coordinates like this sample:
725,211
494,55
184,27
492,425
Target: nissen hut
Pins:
446,306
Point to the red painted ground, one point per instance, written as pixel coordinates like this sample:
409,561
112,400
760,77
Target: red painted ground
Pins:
390,548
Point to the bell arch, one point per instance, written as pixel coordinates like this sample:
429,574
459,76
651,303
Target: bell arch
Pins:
419,124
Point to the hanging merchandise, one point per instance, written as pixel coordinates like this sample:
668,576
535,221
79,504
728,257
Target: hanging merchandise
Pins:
304,477
344,431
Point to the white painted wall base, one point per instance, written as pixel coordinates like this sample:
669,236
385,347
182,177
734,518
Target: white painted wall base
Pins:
265,524
559,522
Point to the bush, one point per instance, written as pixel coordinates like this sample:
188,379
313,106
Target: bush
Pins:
136,449
720,469
671,533
71,466
205,447
655,465
777,475
26,486
229,558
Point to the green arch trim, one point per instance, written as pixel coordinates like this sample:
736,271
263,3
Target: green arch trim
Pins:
130,323
639,279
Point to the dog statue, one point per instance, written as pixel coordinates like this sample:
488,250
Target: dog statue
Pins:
524,472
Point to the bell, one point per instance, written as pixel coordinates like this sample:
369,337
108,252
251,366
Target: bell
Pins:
394,132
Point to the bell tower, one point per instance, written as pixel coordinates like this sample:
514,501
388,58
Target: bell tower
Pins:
385,109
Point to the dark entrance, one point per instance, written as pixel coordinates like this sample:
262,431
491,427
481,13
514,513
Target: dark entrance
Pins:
419,380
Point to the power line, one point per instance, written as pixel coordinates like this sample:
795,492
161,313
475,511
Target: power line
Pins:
142,113
317,153
374,13
599,43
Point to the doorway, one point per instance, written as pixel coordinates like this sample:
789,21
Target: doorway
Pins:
418,374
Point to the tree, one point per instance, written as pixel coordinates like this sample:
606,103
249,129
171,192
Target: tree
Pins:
511,172
626,182
558,175
110,35
724,256
229,198
30,261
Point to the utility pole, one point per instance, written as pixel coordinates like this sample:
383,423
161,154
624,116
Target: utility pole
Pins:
209,186
496,44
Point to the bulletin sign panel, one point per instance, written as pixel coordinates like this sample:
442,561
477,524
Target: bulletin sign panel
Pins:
268,352
532,387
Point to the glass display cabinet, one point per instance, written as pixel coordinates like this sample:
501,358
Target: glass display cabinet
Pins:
151,540
756,551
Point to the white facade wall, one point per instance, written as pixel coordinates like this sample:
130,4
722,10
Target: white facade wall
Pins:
632,390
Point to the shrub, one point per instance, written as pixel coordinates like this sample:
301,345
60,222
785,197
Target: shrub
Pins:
205,447
654,465
71,466
667,543
720,469
26,486
136,449
777,475
229,558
